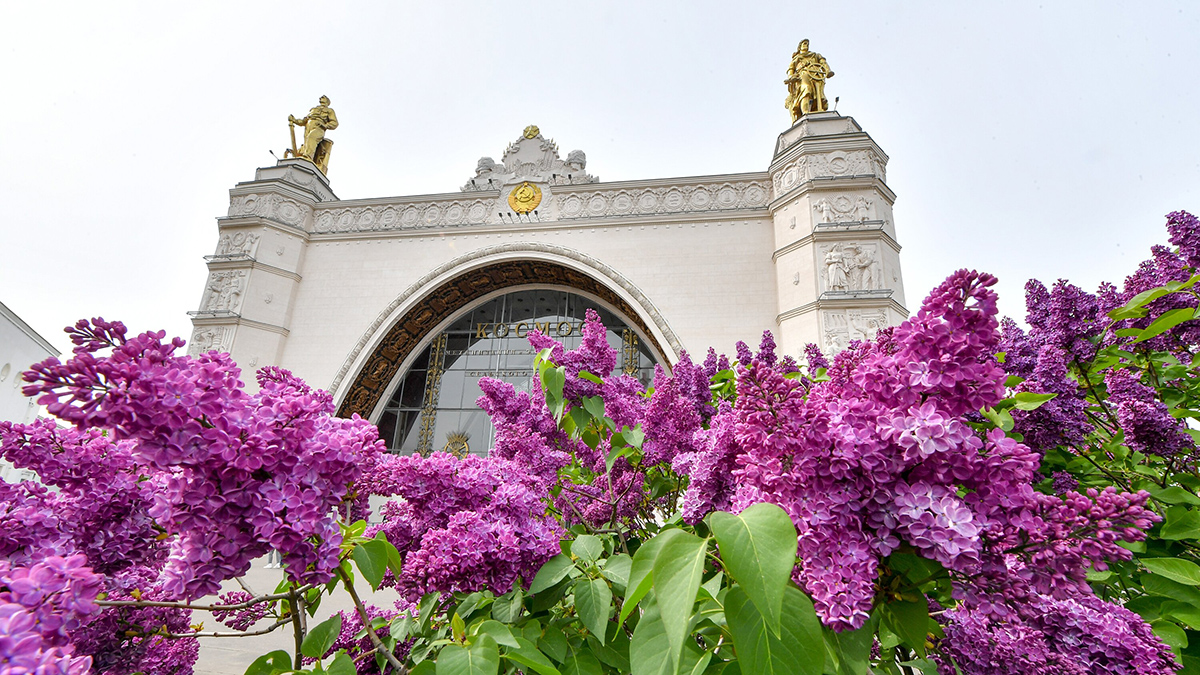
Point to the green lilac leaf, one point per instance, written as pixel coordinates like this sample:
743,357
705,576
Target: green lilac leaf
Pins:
371,556
678,569
554,571
1181,571
641,571
758,548
798,650
321,637
594,602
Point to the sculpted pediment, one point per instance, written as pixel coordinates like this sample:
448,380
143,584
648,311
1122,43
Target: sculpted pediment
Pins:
534,158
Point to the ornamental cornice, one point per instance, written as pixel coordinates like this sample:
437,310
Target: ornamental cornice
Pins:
270,206
225,223
842,303
836,164
831,183
523,227
593,202
410,213
242,262
668,197
824,144
847,234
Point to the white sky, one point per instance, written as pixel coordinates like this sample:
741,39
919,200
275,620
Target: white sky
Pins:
1026,140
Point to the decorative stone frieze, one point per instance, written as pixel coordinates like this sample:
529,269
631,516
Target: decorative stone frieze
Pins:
700,197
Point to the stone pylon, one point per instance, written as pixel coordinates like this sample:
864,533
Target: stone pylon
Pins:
837,262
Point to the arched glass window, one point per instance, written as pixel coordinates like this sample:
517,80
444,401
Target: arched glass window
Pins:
432,407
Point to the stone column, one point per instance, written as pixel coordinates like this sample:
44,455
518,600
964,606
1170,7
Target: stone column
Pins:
837,263
254,274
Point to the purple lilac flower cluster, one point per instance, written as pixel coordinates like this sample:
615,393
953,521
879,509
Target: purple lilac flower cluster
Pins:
594,355
127,641
239,619
102,505
1057,636
1147,422
41,606
244,473
464,524
101,510
882,455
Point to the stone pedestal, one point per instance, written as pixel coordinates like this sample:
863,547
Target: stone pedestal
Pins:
837,262
254,274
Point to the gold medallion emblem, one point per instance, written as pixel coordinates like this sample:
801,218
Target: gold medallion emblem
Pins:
532,131
525,197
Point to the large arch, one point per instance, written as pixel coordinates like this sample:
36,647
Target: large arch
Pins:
400,328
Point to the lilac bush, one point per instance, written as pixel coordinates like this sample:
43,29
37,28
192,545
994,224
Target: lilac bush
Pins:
958,493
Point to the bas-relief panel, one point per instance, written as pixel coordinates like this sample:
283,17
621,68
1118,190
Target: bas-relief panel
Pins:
840,327
829,164
210,338
844,209
224,291
270,207
672,199
238,244
850,266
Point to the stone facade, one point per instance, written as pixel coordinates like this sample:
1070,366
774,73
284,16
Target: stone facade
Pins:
321,286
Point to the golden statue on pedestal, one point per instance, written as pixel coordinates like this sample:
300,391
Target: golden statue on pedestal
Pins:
316,147
806,82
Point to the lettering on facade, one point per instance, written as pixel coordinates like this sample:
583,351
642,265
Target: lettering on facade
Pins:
549,328
499,373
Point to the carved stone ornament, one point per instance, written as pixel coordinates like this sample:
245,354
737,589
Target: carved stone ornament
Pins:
209,338
843,209
525,197
849,266
675,199
237,244
269,207
840,327
224,291
532,158
829,164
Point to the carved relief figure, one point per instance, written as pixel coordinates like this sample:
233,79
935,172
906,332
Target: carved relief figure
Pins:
862,209
806,77
207,339
843,327
224,291
316,147
238,243
835,269
862,276
824,211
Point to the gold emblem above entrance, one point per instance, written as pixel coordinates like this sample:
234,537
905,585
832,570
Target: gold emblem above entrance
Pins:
525,197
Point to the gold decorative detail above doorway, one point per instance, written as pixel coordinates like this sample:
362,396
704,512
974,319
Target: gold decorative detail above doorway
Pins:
525,197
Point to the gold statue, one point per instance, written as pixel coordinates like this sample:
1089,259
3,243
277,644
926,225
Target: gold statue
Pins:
806,82
316,147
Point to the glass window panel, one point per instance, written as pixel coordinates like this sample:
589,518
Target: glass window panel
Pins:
502,354
387,427
414,389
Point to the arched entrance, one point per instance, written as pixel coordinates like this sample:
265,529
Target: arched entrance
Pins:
411,337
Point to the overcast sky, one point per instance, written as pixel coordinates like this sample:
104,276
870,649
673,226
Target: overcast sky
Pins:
1027,140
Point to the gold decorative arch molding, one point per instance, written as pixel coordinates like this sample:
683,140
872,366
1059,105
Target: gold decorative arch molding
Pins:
380,368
